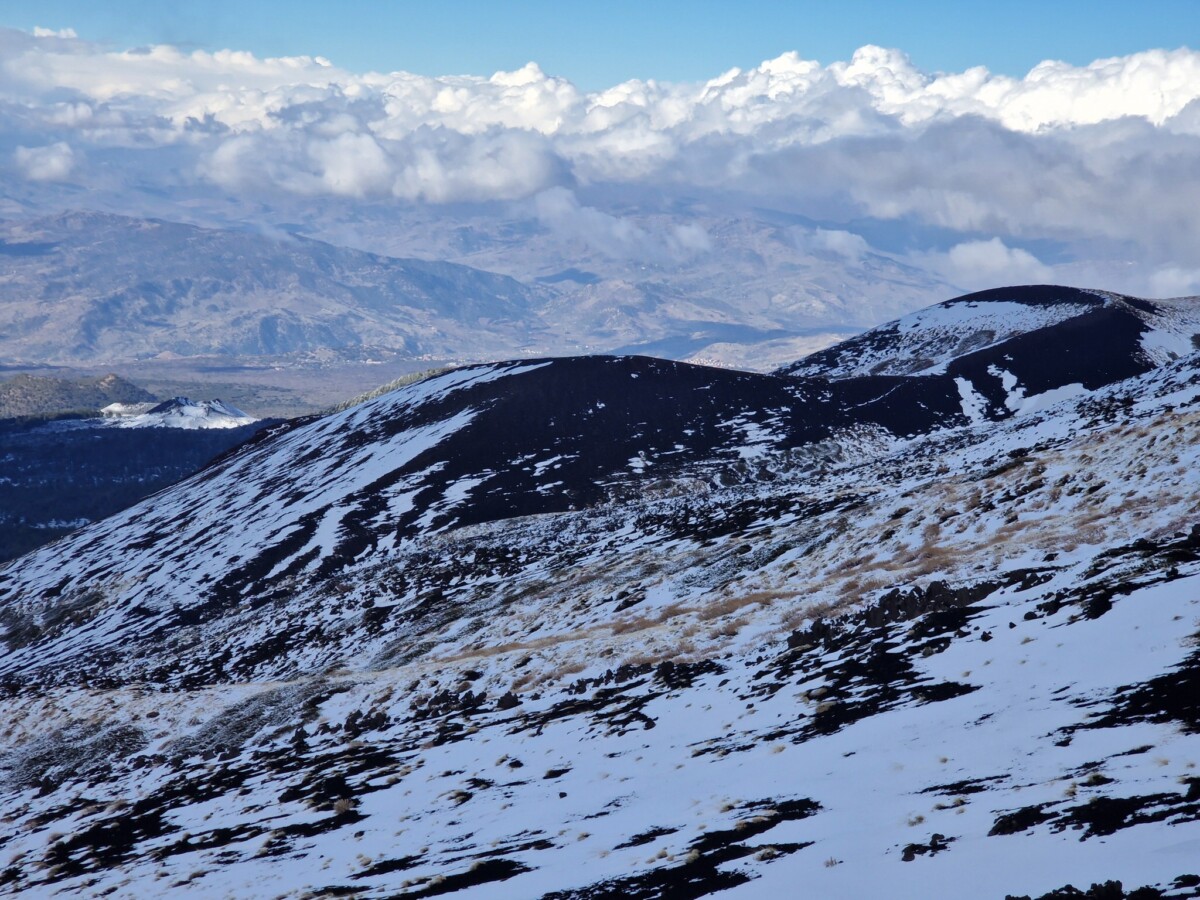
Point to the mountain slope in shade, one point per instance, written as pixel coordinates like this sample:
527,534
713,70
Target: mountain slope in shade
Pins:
60,475
617,627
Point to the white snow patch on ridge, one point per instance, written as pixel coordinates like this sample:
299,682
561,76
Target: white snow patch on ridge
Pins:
942,330
179,412
1038,402
1175,330
1005,315
927,341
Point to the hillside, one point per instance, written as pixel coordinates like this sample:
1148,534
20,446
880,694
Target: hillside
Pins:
60,475
34,395
613,626
84,288
1029,326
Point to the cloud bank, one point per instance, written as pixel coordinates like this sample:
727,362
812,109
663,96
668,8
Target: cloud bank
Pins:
52,162
1100,156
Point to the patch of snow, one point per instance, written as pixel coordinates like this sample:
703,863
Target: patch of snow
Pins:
973,403
1015,394
756,440
1174,330
1038,402
180,413
540,468
127,409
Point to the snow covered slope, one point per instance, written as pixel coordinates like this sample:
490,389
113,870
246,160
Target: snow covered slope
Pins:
617,627
1033,323
179,412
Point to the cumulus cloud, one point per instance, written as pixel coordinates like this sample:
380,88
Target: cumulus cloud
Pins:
430,164
1075,155
783,102
1174,281
50,163
845,244
351,164
974,265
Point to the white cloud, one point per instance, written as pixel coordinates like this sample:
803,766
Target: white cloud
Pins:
843,243
1173,281
973,265
811,102
49,163
1073,155
351,164
40,32
560,210
687,240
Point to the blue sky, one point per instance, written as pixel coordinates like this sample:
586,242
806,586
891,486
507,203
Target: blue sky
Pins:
600,44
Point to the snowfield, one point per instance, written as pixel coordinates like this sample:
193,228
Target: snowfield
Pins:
625,628
179,412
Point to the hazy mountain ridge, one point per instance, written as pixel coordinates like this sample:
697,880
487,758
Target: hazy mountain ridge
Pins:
840,632
87,288
757,268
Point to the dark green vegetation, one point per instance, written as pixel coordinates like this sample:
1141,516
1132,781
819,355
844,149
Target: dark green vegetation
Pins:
34,395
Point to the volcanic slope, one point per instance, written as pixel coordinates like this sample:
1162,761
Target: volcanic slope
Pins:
601,627
1037,329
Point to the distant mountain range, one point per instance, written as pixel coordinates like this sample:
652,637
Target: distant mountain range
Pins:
91,289
915,616
84,288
